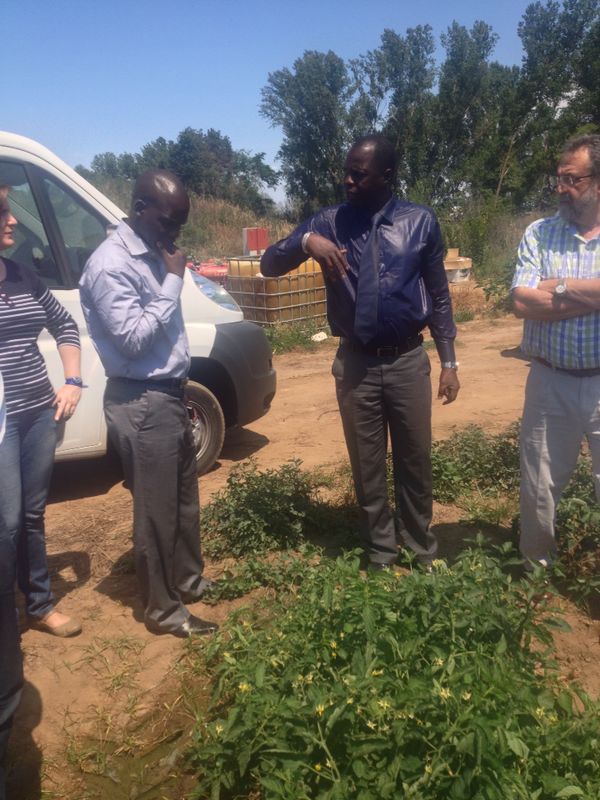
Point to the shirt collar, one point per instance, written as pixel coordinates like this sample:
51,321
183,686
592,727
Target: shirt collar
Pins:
573,230
134,243
386,214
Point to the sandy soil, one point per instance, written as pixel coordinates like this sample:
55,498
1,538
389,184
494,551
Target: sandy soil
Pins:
116,670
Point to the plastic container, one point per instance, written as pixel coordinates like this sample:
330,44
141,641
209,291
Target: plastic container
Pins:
299,295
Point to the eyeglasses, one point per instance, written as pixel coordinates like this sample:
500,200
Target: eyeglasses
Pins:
568,180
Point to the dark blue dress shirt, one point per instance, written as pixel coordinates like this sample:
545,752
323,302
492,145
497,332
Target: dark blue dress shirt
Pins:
413,288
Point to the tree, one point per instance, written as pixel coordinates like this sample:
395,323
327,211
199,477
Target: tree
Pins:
206,163
309,104
472,127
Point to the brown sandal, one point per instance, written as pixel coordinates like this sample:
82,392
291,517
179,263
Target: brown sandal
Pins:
71,627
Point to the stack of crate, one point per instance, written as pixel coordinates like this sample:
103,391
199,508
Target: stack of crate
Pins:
299,295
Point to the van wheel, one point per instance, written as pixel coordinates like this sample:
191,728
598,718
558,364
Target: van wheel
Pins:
208,424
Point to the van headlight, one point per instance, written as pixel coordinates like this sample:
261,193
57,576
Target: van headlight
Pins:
214,291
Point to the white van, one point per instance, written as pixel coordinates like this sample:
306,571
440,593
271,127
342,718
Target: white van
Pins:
62,219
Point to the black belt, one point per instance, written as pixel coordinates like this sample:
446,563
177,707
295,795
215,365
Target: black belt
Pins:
575,373
383,350
175,386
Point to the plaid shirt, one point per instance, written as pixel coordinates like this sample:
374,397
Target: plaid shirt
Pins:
552,248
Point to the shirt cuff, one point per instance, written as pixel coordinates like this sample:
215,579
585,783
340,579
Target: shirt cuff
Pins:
172,286
445,350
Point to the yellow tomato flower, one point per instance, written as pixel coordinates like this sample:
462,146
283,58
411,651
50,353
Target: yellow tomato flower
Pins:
320,709
244,687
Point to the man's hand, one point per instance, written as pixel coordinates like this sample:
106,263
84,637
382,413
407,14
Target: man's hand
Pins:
65,401
331,259
174,258
449,386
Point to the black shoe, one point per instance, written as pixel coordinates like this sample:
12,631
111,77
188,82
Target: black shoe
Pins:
194,597
193,626
377,567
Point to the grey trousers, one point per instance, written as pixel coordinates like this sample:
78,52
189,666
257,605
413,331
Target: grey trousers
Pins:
152,433
376,396
560,411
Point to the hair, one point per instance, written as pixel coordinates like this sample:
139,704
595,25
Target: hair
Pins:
383,151
4,192
589,142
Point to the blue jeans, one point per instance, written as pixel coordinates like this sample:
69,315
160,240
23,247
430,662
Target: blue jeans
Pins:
26,460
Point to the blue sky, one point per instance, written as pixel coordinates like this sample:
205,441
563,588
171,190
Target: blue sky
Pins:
85,77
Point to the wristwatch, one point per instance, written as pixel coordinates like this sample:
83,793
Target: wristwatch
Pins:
75,381
450,365
561,286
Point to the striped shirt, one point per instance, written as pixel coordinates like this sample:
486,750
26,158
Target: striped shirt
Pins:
552,248
26,308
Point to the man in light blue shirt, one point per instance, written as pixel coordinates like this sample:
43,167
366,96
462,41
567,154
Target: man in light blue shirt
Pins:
130,294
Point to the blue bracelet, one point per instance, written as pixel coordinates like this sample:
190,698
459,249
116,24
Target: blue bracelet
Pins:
75,382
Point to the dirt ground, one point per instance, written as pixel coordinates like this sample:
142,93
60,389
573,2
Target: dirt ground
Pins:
115,670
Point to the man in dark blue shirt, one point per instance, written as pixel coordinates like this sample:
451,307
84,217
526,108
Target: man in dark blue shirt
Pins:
382,259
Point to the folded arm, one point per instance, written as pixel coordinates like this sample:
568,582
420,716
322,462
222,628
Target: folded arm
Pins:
542,304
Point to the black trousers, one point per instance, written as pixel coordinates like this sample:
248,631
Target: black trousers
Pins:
153,435
380,396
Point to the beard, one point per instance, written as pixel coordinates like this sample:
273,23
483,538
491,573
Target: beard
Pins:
579,210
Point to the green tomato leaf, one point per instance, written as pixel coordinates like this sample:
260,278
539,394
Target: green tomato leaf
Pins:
517,745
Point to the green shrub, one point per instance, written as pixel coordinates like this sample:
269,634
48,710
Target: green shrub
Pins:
426,686
471,460
259,510
578,533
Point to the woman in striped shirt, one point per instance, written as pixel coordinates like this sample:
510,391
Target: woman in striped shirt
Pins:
33,411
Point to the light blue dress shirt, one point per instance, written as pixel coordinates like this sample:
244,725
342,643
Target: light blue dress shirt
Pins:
132,309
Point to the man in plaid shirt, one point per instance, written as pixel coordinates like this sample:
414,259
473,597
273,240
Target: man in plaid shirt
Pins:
556,290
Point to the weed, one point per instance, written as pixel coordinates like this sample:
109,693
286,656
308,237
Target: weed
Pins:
285,337
489,509
464,315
